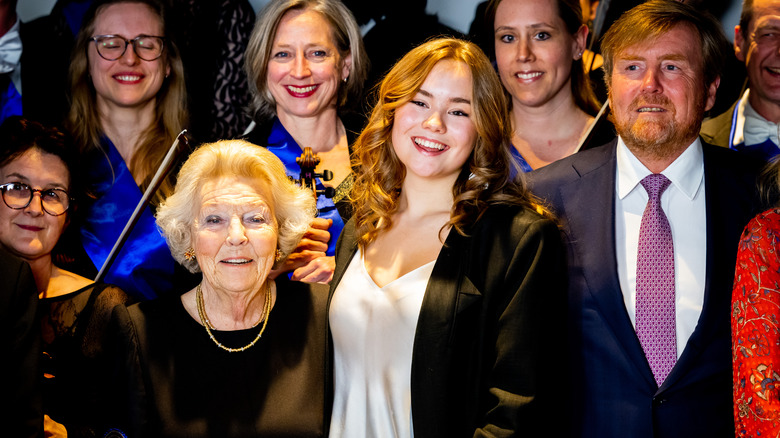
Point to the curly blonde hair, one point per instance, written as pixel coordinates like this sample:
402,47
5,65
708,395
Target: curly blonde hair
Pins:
485,177
294,207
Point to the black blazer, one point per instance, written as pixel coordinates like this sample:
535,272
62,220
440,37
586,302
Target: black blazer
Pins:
615,394
490,332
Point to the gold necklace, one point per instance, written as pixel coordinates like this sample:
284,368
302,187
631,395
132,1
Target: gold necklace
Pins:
204,319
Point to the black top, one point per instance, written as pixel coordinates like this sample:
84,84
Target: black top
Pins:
20,403
76,363
182,384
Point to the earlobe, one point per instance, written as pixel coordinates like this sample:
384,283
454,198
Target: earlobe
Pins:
711,92
739,40
580,42
346,67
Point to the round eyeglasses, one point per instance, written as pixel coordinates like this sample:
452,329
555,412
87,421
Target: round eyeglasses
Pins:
18,196
112,47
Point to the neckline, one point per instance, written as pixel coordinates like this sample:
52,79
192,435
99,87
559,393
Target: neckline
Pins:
414,271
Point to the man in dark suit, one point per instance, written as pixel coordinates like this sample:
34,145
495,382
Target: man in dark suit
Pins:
652,221
20,396
751,124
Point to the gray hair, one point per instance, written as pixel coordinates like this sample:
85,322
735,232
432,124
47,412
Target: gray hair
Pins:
294,207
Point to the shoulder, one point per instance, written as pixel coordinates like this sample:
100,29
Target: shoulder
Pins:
18,291
768,220
159,311
716,130
12,266
109,295
728,158
545,180
259,134
735,169
505,225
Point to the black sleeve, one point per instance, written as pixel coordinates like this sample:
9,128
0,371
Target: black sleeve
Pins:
20,371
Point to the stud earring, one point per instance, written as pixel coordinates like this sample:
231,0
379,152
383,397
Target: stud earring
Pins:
345,79
189,255
278,254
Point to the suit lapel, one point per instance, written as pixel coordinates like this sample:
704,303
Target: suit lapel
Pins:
725,206
448,292
592,238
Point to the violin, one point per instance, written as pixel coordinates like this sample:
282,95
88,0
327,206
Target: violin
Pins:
308,161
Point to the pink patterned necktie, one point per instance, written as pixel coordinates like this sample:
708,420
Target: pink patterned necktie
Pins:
655,313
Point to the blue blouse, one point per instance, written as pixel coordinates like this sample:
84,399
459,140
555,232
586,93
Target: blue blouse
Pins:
144,265
524,166
281,143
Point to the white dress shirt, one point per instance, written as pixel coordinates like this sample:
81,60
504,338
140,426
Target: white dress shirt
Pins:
11,54
750,127
684,204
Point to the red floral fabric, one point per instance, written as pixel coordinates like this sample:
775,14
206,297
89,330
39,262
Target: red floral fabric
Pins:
755,309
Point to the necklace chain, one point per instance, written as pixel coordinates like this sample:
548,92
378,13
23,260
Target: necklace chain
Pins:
204,319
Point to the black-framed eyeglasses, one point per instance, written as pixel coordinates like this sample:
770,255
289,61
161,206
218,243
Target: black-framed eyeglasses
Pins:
112,47
19,195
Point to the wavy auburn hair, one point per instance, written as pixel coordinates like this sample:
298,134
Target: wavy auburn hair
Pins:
485,177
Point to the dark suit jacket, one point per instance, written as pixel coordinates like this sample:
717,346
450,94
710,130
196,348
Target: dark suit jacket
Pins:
717,129
615,394
20,402
489,341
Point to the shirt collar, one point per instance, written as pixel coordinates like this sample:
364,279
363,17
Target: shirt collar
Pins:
10,49
743,103
686,172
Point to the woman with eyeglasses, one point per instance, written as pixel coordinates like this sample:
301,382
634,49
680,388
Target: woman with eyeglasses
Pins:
38,187
128,106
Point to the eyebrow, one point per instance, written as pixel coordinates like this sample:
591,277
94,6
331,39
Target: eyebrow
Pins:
453,99
52,185
542,25
771,25
669,57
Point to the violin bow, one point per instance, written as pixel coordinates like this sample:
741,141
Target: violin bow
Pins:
181,143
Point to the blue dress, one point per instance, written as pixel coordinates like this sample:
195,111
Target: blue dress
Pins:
144,265
282,144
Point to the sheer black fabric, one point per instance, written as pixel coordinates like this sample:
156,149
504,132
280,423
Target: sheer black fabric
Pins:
77,362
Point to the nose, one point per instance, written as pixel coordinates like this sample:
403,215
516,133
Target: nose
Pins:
651,82
300,67
129,57
435,123
35,207
236,232
524,52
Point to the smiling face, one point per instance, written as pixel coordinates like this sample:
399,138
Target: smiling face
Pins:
235,234
535,51
31,233
129,81
657,93
433,134
305,69
759,47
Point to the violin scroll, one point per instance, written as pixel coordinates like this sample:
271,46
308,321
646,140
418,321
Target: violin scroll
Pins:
308,161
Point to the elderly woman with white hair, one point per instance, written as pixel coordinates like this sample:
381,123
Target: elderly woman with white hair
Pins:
240,354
